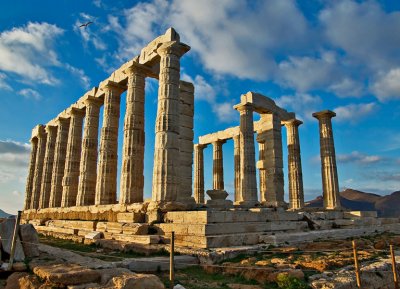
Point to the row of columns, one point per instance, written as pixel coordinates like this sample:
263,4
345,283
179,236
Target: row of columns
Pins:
67,170
270,162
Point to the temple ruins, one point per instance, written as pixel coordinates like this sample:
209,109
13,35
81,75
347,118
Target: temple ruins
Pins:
71,189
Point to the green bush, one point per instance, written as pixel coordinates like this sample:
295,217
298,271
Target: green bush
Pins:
285,281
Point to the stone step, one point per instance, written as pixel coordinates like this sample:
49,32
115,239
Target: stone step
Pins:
138,239
56,230
302,237
231,228
232,216
72,224
155,264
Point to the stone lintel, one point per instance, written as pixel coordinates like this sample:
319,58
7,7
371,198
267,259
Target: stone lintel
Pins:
324,113
294,122
263,104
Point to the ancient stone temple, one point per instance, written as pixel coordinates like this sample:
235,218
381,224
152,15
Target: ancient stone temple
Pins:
71,189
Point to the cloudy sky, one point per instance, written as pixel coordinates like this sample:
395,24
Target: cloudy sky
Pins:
306,55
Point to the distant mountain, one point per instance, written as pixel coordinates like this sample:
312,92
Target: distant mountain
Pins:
387,206
4,214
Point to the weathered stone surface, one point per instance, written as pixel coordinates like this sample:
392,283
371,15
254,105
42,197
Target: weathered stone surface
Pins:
155,264
6,235
137,281
131,217
135,229
13,280
30,240
66,274
19,267
94,235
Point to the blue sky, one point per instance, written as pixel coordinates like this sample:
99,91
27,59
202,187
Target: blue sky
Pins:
306,55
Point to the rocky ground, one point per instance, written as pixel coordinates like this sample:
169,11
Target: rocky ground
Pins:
319,265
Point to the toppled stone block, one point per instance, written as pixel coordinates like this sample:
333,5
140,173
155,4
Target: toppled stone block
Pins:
135,229
137,281
67,274
30,240
94,235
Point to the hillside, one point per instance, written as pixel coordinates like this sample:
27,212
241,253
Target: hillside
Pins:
4,214
387,206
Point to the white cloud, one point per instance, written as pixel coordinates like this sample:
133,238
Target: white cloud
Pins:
353,113
3,84
29,93
302,104
359,158
84,79
387,86
88,33
28,50
347,87
225,112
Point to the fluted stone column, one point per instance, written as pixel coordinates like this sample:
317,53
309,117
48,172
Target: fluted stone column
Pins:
236,160
106,186
72,160
296,193
132,179
218,165
166,149
248,179
59,162
88,165
273,162
199,173
37,179
31,173
48,166
262,170
330,183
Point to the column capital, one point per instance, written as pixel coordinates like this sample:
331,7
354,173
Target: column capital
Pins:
62,120
219,141
292,122
261,136
113,86
76,111
137,68
324,114
50,129
200,146
41,131
91,100
247,107
173,47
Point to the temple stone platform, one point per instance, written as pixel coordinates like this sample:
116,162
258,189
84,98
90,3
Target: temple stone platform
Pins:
205,228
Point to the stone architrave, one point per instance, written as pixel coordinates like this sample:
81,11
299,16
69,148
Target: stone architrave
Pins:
273,162
37,179
199,173
296,193
262,171
59,162
218,165
330,183
166,167
88,164
48,166
106,185
186,134
132,179
236,160
248,179
72,160
31,174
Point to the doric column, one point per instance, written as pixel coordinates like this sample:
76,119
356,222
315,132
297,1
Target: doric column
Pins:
166,149
59,162
262,170
72,160
273,162
106,185
31,174
48,166
218,165
296,193
330,182
199,173
132,179
37,179
88,165
236,160
248,179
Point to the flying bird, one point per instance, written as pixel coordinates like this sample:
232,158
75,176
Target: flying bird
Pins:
85,24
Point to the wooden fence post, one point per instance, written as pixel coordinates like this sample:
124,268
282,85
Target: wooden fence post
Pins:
394,268
14,240
356,265
171,261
